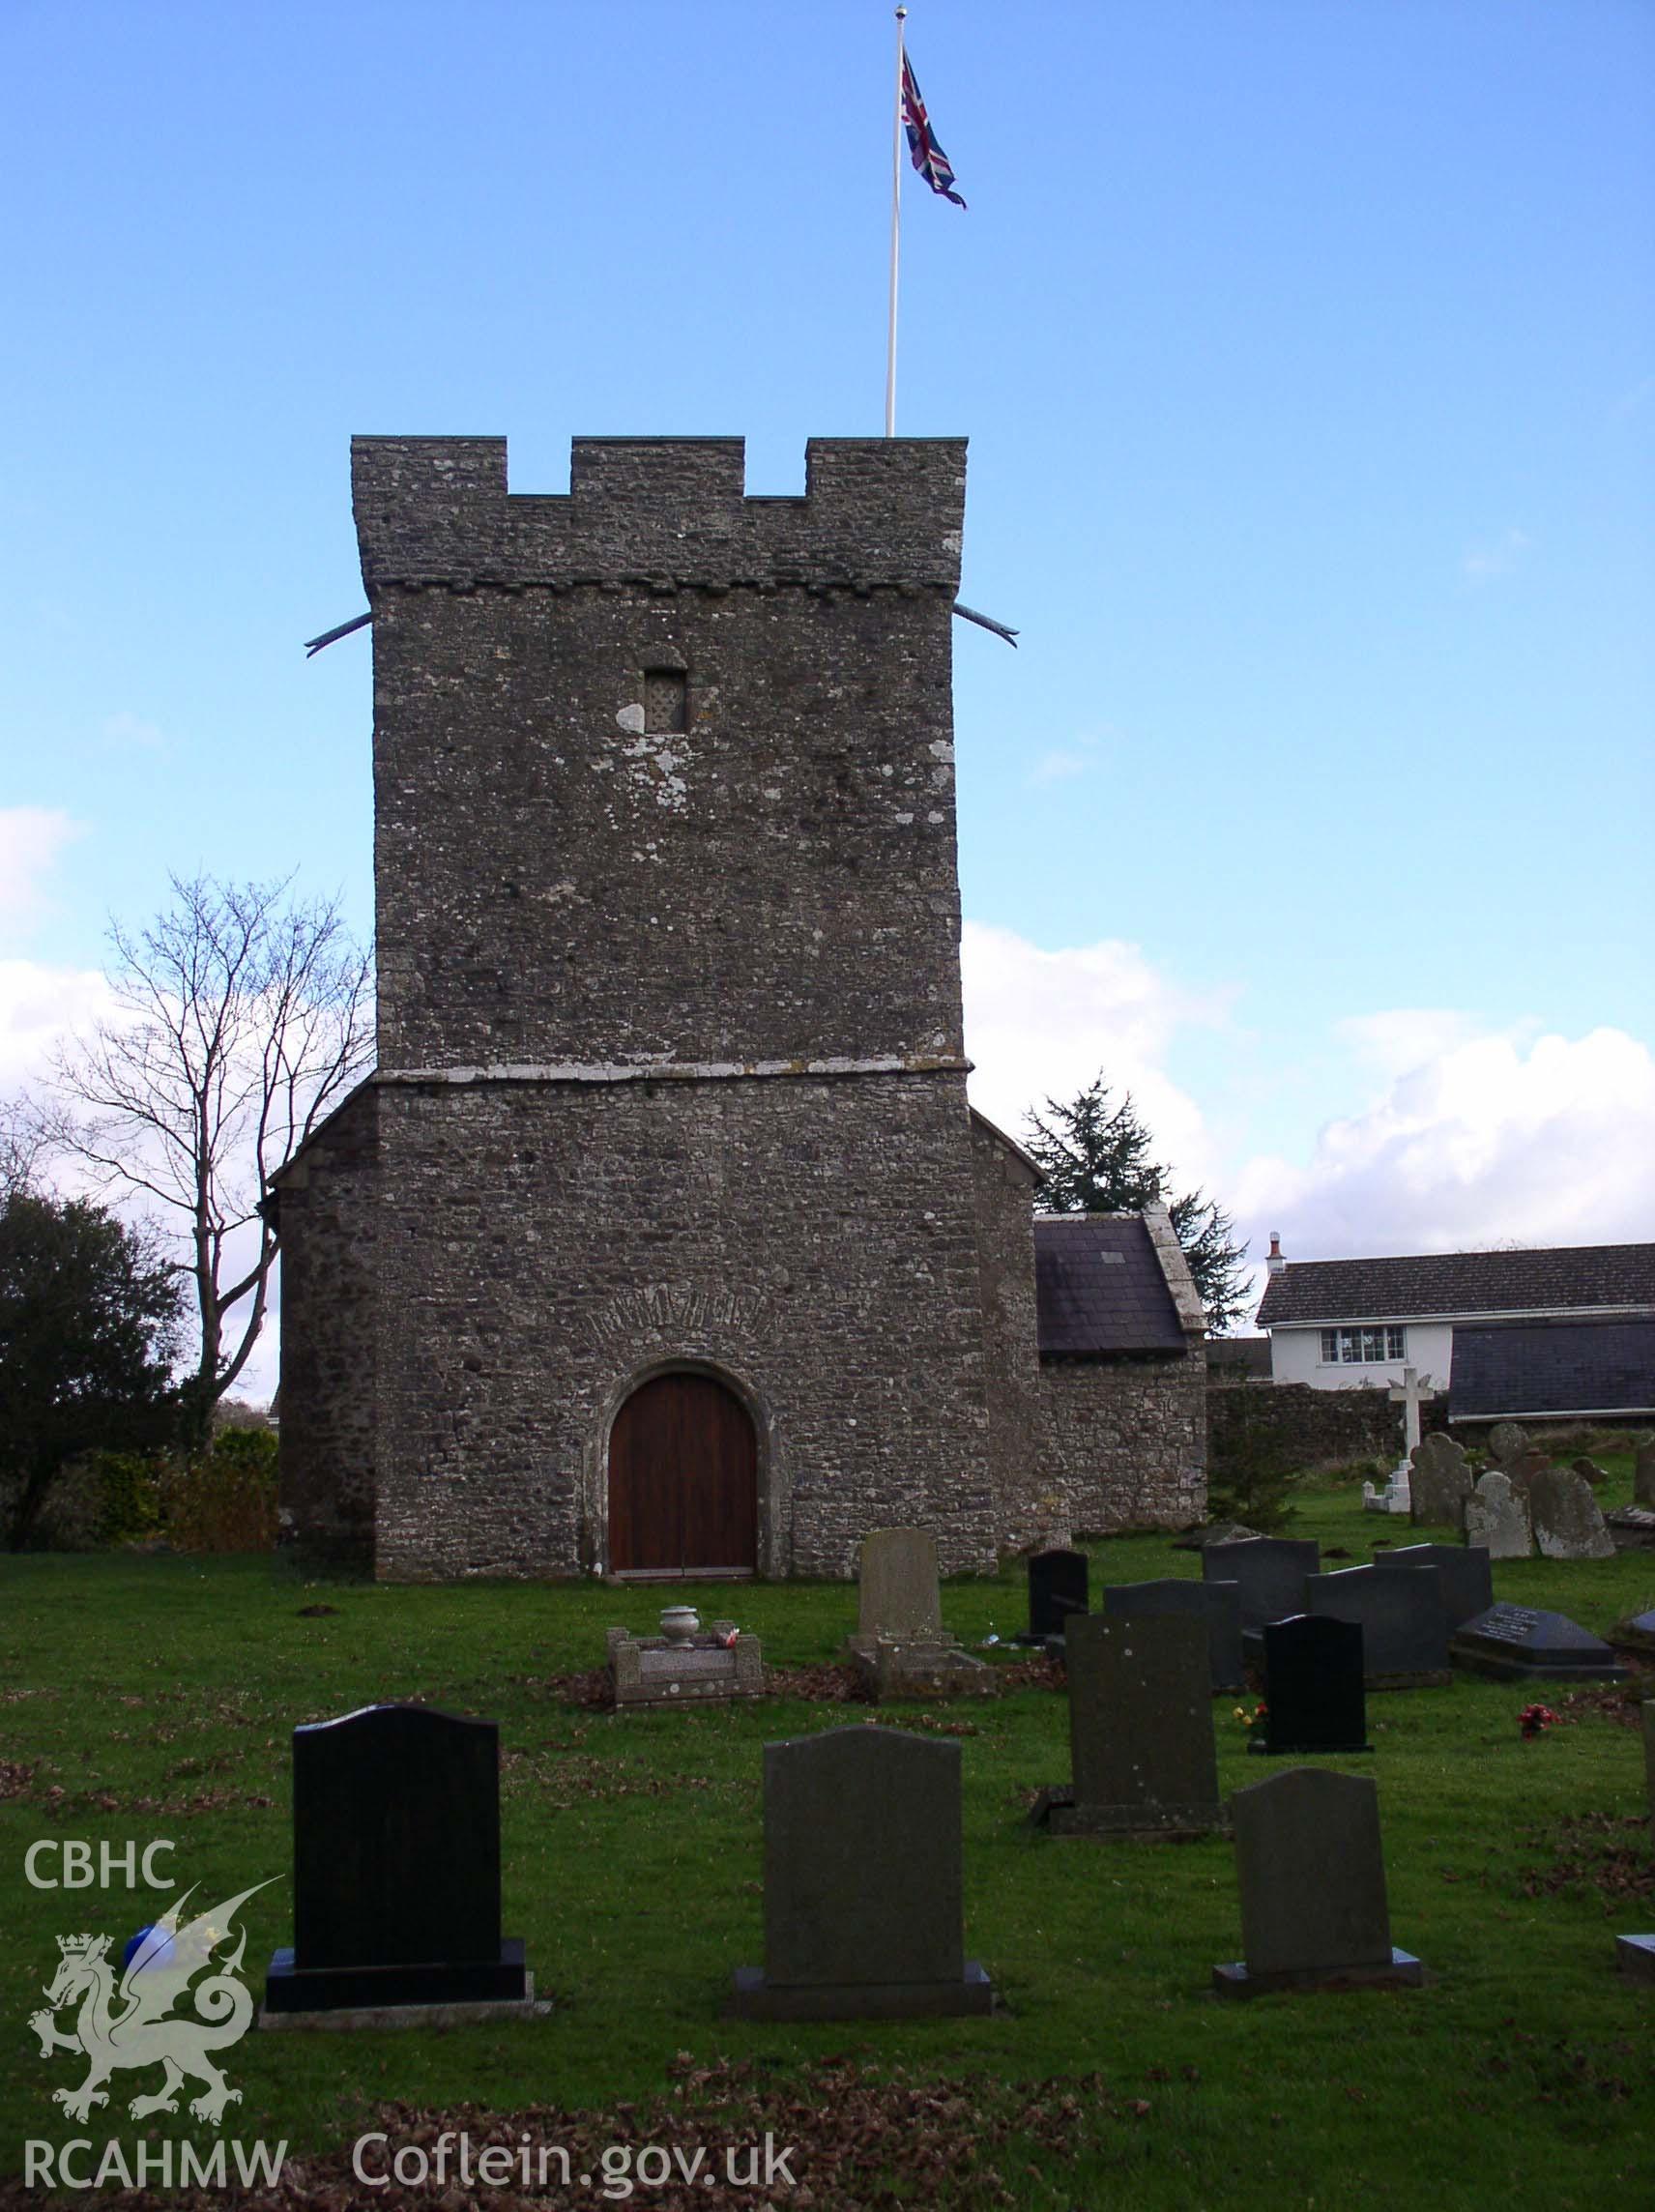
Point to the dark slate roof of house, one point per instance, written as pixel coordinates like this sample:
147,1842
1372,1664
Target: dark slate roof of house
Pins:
1239,1355
1099,1289
1564,1279
1521,1368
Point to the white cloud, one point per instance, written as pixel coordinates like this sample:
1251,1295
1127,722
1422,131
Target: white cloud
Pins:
133,732
1058,767
1459,1138
31,838
1044,1024
38,1007
1512,1137
1495,556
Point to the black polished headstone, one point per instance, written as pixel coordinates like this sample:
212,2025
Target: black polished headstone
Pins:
1516,1643
1404,1636
395,1865
1466,1583
1218,1604
1315,1700
1057,1589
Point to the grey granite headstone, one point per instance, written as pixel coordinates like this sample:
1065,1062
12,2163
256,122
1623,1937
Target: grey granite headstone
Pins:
1497,1518
1400,1612
863,1889
1464,1580
1269,1573
1140,1738
1218,1604
1643,1477
1312,1879
1440,1483
1568,1522
1519,1644
901,1648
897,1589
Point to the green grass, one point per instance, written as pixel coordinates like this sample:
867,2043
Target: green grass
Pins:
155,1697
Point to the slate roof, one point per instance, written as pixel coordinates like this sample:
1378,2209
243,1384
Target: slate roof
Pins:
1240,1356
1552,1367
1563,1279
1099,1287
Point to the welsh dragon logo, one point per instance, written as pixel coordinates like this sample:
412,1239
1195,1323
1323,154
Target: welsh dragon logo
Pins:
132,2026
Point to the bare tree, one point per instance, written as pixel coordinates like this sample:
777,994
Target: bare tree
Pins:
244,1017
26,1140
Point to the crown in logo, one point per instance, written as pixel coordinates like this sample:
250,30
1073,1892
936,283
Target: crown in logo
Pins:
83,1946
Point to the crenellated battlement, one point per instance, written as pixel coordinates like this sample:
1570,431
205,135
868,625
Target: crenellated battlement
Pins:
659,512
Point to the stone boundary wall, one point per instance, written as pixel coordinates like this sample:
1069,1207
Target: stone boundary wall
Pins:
1312,1427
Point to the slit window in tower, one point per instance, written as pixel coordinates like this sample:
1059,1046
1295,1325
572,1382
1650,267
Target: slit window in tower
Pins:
666,700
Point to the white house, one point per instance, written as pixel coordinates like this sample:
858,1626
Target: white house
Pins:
1337,1323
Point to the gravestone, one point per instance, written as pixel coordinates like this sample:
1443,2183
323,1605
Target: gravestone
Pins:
1634,1955
1205,1532
1631,1528
1517,1644
1057,1589
1635,1634
1589,1471
897,1590
1315,1700
1643,1477
1269,1573
1438,1483
1568,1522
715,1665
396,1871
1218,1604
901,1648
1464,1580
1312,1876
863,1884
1410,1394
1508,1445
1400,1612
1141,1740
1497,1519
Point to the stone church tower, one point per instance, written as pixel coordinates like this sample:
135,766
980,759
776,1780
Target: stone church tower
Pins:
662,1236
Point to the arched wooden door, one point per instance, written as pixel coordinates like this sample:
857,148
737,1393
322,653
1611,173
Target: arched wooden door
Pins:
684,1480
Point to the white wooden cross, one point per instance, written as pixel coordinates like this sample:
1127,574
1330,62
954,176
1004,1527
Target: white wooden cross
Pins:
1410,1395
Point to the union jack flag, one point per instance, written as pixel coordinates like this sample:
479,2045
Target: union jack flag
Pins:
927,155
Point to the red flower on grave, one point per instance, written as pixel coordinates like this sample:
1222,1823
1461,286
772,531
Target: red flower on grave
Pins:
1535,1720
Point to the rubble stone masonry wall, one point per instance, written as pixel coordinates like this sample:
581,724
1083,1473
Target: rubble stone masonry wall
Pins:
545,1248
1126,1440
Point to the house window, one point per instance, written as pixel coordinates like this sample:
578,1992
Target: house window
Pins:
666,701
1362,1346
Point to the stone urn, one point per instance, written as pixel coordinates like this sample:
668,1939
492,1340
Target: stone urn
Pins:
680,1622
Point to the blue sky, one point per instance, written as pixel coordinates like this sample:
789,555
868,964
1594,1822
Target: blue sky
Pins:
1307,353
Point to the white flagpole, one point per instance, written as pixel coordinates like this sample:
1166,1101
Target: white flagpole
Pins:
895,235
